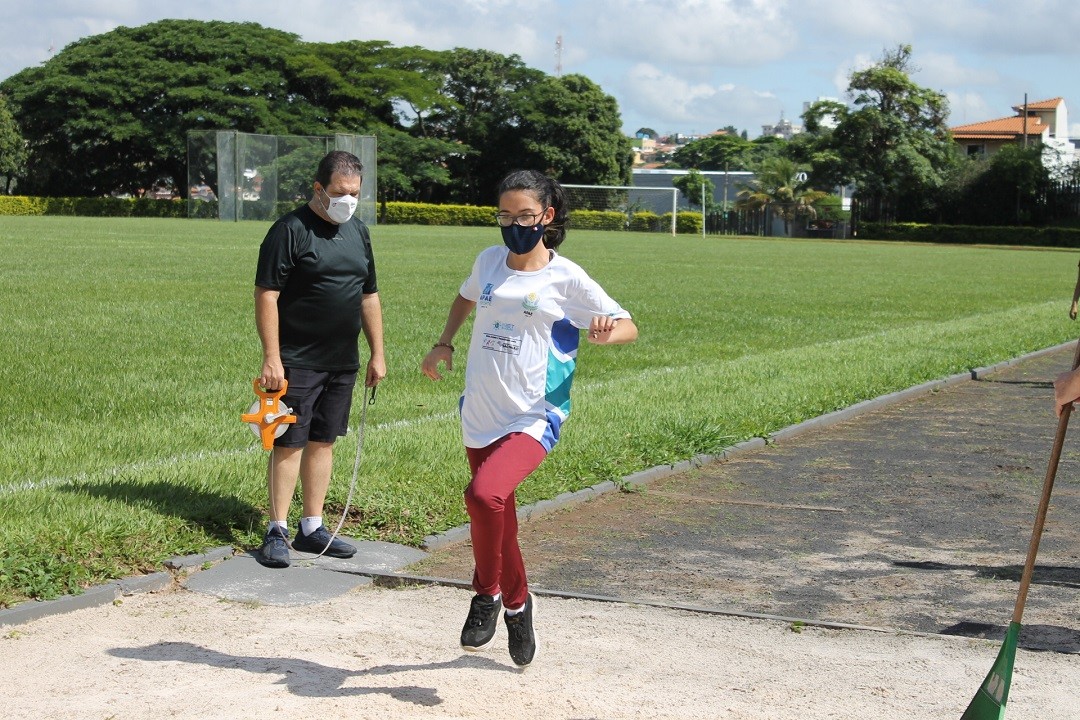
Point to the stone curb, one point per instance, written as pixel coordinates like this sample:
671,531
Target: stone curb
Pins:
460,533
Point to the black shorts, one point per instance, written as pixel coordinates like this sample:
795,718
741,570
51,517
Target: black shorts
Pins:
321,402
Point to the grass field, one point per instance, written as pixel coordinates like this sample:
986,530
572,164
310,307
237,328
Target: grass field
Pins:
129,349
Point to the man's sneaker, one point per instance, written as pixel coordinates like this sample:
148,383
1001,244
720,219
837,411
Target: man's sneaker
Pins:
320,540
479,630
523,644
275,549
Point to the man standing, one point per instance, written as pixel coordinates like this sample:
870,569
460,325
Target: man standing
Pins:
315,291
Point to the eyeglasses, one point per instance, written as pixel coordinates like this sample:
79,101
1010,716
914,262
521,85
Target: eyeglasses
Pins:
506,219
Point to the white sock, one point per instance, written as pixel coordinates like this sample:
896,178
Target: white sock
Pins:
280,524
309,525
515,612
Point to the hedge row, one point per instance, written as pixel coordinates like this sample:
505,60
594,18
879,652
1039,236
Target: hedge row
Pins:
92,207
391,213
972,234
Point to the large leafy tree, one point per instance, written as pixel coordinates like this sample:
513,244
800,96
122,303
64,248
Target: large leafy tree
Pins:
894,145
572,129
12,147
111,112
478,112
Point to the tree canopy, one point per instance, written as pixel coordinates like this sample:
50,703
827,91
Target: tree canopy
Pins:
110,113
12,147
894,145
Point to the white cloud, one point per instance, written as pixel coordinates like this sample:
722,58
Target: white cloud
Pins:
970,107
943,70
672,101
690,32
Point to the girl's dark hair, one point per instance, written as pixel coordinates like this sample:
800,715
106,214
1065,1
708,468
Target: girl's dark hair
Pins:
338,161
549,193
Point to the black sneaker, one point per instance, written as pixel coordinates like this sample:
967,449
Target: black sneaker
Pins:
479,630
275,549
320,541
523,643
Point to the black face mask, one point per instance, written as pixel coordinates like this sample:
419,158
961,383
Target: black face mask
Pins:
522,238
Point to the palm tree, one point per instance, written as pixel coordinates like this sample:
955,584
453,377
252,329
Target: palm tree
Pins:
777,186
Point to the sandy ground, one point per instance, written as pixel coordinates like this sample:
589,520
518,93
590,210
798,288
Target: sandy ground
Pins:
386,653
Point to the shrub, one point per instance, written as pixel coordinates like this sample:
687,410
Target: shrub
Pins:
972,234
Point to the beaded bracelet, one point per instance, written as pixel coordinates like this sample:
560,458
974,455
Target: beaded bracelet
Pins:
442,344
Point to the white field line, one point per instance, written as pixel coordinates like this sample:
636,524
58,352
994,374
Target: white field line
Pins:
200,456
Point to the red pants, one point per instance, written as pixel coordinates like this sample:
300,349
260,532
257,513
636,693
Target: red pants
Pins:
497,470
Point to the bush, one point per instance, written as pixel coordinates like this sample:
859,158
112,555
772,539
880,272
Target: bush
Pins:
92,206
407,213
597,220
972,234
687,223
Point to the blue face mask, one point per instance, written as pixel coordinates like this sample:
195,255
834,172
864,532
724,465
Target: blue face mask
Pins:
522,238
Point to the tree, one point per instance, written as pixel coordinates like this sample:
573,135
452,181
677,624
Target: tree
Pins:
12,147
717,152
895,146
997,190
480,114
111,113
698,189
572,129
778,186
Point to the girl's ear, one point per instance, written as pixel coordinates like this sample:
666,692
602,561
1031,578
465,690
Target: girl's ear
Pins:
549,215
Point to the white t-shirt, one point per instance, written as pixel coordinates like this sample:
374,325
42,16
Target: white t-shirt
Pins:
524,345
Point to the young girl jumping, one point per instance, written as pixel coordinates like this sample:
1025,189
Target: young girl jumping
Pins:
531,304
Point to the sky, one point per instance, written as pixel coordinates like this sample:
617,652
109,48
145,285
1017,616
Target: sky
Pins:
674,66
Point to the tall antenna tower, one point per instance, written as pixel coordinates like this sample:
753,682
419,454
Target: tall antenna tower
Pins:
558,56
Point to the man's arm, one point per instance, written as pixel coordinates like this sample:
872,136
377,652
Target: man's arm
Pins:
372,324
272,374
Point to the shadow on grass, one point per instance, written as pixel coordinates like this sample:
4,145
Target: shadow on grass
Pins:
218,515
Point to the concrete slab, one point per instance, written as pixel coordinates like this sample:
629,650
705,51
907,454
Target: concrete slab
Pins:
243,579
310,579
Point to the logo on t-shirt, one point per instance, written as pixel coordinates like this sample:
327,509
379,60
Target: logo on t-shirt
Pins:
485,297
531,304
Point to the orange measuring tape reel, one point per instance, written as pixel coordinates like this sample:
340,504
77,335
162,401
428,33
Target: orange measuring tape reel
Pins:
268,417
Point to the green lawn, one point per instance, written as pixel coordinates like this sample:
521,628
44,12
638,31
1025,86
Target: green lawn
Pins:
129,350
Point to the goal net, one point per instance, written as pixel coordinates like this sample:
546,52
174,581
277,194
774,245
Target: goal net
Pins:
641,208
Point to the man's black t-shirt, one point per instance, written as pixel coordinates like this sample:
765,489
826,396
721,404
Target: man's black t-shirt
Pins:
322,271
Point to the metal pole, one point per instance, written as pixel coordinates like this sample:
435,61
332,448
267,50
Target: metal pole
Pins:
674,208
702,210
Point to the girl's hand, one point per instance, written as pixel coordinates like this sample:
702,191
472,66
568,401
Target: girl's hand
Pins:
437,354
600,328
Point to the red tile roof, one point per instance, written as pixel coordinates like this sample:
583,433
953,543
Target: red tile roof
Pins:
1050,104
1001,128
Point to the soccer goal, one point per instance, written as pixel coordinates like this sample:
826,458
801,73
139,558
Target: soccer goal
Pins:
629,200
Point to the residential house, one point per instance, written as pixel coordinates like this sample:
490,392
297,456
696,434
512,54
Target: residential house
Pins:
1045,123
